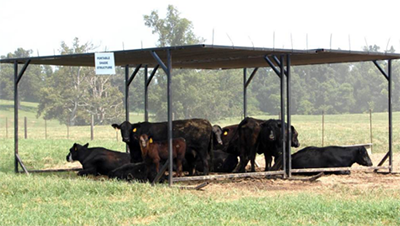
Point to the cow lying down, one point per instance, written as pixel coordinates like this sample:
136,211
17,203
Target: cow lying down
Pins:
97,160
331,156
134,172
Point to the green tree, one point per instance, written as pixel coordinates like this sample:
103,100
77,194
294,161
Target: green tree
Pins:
172,30
31,82
73,94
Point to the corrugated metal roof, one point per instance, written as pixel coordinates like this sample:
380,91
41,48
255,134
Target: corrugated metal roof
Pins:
211,57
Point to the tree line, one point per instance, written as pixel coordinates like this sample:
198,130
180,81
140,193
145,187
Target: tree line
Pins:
73,94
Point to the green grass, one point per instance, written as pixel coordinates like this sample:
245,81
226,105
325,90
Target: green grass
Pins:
66,199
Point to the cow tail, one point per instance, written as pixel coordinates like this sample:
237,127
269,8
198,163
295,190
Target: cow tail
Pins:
211,153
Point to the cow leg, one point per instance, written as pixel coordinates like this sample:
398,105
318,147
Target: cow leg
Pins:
241,168
179,167
86,172
205,164
253,161
268,161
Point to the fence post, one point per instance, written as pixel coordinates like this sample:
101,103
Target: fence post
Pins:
6,127
45,129
91,127
370,128
26,129
323,127
67,131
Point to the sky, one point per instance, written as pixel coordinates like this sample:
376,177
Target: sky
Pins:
41,25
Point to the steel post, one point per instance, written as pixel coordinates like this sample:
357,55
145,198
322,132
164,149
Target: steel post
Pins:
288,116
244,93
16,116
282,77
126,93
146,98
389,72
169,69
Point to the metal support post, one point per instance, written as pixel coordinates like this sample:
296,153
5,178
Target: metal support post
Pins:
168,70
282,77
244,93
288,116
16,116
390,116
126,94
146,113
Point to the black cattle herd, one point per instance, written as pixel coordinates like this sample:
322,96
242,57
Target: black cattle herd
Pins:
200,148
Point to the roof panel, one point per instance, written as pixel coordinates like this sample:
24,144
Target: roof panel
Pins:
211,57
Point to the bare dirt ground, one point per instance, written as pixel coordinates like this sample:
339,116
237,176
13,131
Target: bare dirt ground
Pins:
362,179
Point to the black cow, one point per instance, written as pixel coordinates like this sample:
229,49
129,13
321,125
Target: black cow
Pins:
229,138
331,156
127,137
134,171
97,160
223,162
217,133
250,141
270,141
196,132
248,130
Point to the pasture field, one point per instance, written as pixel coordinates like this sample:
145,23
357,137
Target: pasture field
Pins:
362,198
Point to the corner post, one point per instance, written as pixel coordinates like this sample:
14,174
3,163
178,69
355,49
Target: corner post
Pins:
282,77
244,93
146,97
170,154
390,116
126,93
288,115
16,116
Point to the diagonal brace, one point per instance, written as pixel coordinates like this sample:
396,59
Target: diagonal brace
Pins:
381,69
133,74
159,61
152,75
251,77
21,73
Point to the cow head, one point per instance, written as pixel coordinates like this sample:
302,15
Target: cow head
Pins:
295,141
145,141
126,130
217,133
362,157
74,151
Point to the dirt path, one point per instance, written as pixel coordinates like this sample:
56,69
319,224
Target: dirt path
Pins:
357,179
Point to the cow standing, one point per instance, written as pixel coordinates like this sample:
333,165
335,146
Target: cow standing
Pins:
254,136
270,141
196,132
154,151
96,161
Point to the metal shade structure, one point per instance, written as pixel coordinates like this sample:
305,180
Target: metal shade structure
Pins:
213,57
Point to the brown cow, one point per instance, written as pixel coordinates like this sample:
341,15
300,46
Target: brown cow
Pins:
154,151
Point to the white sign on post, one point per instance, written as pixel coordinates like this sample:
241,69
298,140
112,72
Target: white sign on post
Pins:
104,63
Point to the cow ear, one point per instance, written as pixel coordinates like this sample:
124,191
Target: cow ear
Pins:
116,126
86,145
